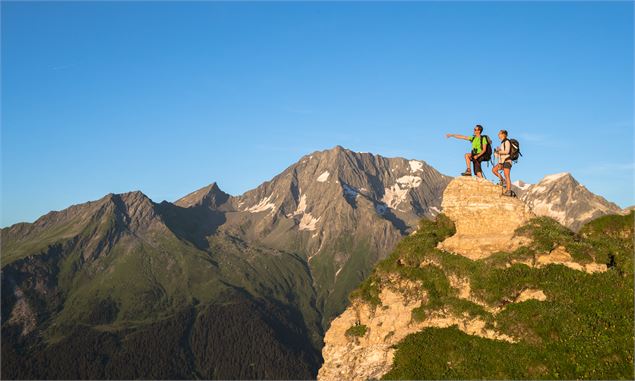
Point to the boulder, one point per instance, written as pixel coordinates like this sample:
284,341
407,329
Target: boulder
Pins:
485,219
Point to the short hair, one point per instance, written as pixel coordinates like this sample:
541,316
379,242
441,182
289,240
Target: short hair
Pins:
480,128
504,132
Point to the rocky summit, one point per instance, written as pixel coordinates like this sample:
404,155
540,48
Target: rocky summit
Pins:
523,300
485,219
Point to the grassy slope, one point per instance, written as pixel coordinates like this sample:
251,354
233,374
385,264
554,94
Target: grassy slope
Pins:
147,283
583,330
143,281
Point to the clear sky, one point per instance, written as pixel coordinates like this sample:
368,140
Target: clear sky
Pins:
165,98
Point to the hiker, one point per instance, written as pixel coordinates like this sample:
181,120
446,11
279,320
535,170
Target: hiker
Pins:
504,163
479,148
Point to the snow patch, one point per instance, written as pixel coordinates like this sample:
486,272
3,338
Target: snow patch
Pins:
308,222
263,205
394,196
301,206
546,208
521,185
554,177
415,166
323,177
410,181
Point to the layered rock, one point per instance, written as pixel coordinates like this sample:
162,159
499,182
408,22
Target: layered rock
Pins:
369,354
485,220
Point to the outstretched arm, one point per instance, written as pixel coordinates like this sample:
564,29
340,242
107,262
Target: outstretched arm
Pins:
457,136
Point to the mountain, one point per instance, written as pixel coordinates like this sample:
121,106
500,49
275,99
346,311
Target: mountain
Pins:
342,211
212,285
108,289
564,199
536,309
520,187
211,197
220,286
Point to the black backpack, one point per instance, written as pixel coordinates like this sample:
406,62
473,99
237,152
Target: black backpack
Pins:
514,152
487,155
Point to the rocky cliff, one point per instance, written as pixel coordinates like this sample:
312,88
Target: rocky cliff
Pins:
513,296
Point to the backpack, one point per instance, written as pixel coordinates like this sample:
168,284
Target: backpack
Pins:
514,152
487,155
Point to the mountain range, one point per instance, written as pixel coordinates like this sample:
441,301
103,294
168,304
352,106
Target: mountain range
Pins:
220,286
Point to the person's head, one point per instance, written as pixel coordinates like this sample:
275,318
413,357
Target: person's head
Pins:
478,129
502,134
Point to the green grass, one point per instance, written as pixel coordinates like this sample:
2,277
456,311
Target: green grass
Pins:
357,330
584,330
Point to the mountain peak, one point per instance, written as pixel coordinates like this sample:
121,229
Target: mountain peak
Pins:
563,176
211,196
561,197
335,151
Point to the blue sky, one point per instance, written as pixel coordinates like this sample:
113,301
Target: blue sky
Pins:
102,97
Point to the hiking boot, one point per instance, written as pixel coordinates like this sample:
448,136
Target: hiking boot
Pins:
502,183
509,193
467,173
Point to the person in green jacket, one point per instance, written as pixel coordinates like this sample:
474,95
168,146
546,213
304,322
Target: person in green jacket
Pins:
479,146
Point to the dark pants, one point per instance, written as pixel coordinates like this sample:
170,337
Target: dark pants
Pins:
477,164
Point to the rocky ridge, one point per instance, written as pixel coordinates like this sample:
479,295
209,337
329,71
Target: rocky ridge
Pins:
361,343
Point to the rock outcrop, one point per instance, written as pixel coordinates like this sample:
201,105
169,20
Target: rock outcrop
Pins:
369,354
560,256
485,219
